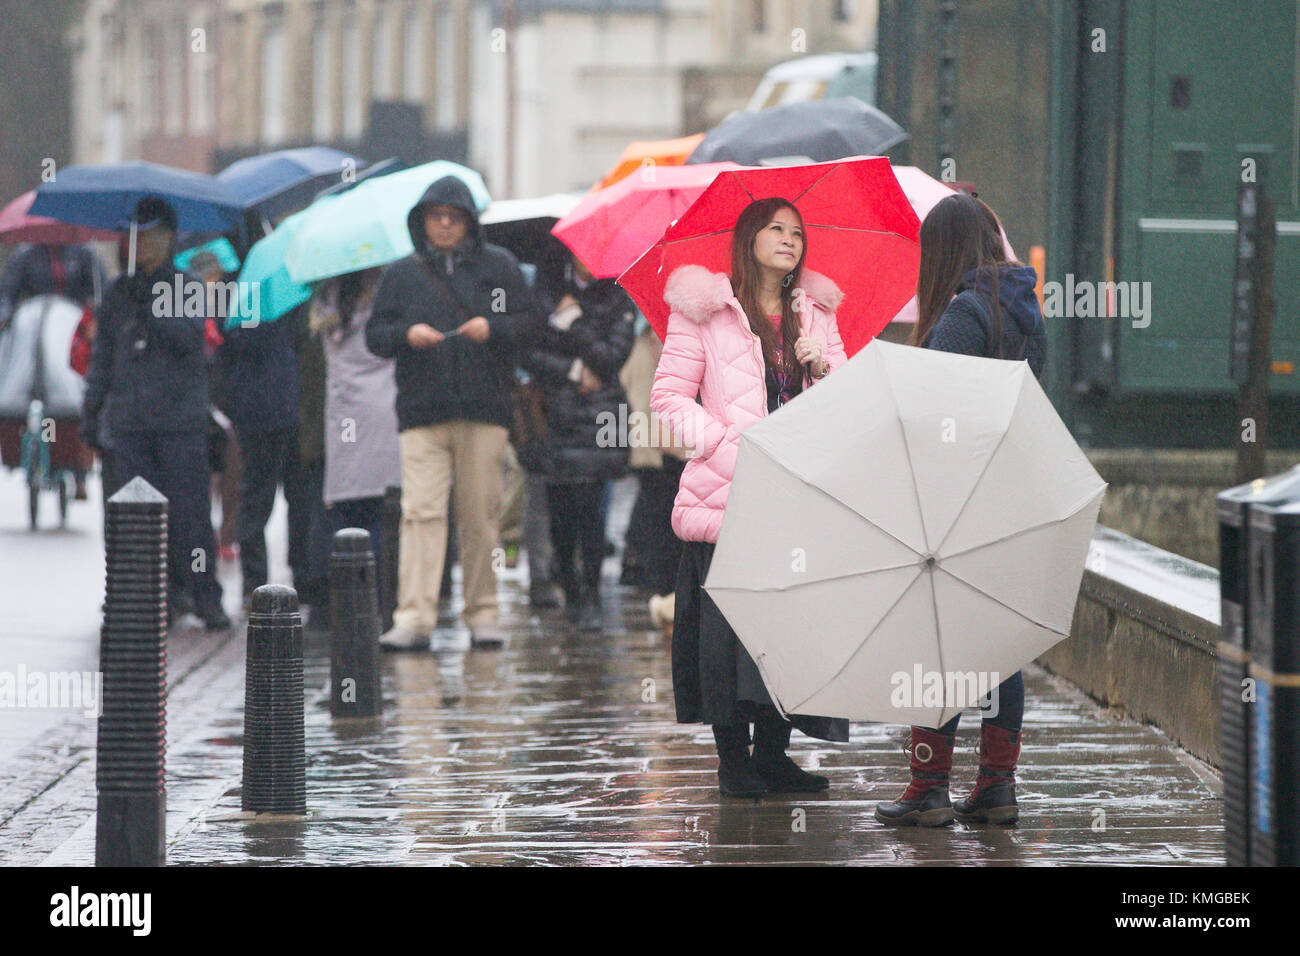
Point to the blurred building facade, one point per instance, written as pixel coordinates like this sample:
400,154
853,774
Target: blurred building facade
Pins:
542,95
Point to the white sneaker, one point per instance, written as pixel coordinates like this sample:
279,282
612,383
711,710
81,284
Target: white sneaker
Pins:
487,635
399,638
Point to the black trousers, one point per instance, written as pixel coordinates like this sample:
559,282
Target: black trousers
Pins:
176,463
271,461
577,536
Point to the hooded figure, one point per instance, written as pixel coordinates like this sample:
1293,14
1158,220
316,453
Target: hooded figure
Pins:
458,378
452,316
995,315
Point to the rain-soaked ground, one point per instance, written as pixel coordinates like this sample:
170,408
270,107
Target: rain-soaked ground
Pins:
562,749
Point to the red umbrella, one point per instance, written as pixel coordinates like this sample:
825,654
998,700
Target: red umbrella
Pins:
614,225
17,226
859,228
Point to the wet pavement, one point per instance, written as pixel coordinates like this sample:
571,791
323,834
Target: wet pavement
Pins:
562,749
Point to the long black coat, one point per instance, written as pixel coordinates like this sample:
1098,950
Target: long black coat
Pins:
585,440
147,368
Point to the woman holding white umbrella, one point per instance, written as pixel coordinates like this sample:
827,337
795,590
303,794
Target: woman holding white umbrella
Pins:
971,300
745,343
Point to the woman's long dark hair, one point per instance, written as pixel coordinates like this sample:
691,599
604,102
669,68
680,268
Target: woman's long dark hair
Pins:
747,278
960,235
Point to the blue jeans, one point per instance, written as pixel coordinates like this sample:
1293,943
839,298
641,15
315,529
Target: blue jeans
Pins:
1011,707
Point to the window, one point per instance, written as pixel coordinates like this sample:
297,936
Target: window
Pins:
445,58
322,83
412,58
147,108
273,69
381,48
353,111
173,79
201,79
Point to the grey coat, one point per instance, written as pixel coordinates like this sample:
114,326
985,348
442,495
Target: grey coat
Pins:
362,453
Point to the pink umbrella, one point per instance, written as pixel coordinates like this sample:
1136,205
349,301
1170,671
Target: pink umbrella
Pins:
17,226
925,192
611,227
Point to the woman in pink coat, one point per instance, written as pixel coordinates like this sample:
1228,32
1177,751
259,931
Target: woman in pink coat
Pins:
745,344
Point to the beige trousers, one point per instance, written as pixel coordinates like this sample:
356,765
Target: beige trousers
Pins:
472,452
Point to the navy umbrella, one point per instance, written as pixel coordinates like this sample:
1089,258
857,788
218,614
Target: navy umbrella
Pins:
820,130
276,184
104,196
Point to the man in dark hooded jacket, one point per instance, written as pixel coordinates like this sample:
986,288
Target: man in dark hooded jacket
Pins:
452,315
147,399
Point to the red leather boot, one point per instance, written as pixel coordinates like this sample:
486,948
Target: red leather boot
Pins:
925,801
994,798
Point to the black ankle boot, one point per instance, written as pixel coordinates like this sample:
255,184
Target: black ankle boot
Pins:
781,774
737,776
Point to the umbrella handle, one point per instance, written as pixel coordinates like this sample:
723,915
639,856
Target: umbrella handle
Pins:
130,254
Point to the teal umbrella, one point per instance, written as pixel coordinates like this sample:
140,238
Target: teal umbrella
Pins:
220,247
266,291
366,226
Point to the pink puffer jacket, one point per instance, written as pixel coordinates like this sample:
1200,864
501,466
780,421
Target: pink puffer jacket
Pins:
711,351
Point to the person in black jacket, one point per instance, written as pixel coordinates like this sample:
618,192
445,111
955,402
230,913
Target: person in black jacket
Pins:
148,379
971,300
259,371
452,315
576,356
74,272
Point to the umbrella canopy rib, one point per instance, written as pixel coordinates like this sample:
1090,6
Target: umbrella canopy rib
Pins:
808,582
975,487
980,591
1074,510
794,708
907,448
793,469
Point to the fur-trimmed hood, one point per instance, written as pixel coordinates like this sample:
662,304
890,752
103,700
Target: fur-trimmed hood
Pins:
697,293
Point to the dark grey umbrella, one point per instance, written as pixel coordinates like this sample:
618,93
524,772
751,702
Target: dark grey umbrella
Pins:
822,130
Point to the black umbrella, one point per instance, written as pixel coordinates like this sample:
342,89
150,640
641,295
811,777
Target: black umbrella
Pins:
821,130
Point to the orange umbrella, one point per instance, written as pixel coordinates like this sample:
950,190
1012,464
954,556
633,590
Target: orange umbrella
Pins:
663,152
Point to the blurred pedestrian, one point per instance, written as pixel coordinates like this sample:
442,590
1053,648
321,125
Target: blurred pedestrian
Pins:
74,272
223,446
311,524
745,344
147,394
576,357
971,300
451,315
362,453
259,366
651,552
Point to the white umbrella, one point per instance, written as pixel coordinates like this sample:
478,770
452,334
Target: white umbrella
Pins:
915,523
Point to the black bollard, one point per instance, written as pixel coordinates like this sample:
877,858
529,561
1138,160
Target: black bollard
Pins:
354,627
391,530
131,813
275,762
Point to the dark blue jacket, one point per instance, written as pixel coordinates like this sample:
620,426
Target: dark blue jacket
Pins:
969,326
259,372
147,368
